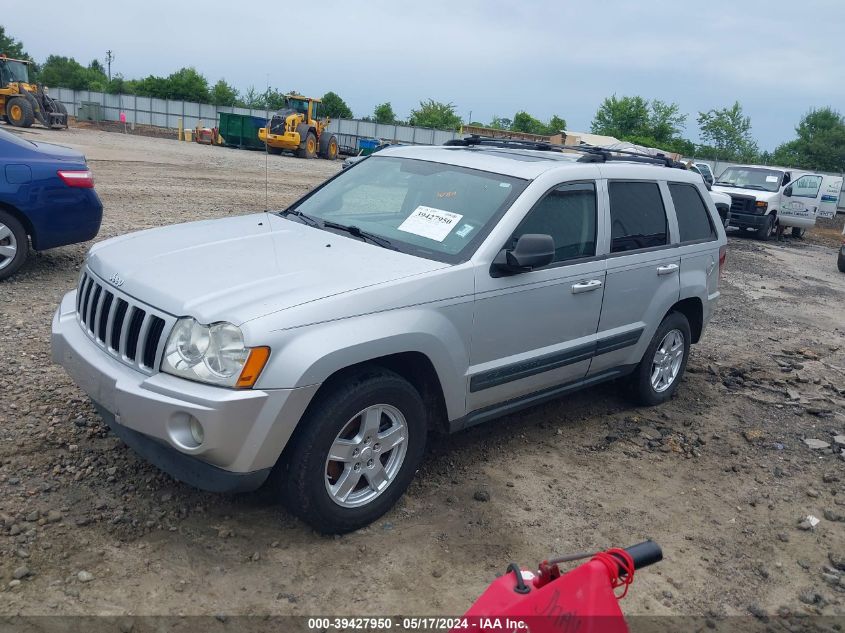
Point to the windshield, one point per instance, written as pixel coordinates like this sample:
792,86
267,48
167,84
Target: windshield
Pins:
14,71
751,178
299,105
428,209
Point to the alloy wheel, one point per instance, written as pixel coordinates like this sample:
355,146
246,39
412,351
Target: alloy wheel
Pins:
366,455
666,364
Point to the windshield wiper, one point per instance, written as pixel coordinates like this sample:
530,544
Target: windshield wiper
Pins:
724,182
306,219
356,232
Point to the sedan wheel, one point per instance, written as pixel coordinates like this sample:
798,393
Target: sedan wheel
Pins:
13,244
8,246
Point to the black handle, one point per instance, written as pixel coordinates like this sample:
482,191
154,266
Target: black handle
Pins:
644,554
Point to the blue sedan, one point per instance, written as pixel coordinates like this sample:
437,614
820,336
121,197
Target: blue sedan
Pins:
46,196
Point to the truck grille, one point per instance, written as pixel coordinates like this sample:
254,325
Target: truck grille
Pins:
129,331
743,204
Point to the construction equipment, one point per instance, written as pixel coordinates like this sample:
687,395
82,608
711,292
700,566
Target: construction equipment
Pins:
300,127
22,102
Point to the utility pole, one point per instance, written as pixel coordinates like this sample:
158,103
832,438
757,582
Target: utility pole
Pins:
109,60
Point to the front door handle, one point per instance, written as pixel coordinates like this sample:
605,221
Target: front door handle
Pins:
668,269
586,286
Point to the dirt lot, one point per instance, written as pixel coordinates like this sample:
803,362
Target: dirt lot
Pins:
721,476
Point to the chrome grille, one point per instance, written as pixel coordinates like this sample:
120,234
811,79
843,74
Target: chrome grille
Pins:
124,328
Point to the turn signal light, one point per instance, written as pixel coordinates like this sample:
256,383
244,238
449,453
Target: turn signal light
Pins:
252,368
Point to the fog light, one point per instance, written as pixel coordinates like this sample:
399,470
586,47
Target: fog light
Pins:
197,433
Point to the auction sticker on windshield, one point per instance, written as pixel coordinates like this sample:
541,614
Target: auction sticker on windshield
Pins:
434,224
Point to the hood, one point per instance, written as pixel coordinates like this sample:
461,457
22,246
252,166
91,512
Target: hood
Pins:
237,269
752,193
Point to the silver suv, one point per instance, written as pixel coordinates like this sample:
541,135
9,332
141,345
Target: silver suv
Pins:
424,288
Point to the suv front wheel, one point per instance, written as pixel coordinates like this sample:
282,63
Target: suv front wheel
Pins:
657,376
356,451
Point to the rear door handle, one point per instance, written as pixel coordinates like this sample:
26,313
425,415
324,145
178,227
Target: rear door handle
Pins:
668,269
586,286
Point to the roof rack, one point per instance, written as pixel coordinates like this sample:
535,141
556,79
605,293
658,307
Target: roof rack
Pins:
592,153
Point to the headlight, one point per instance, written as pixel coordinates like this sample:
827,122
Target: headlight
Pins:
214,354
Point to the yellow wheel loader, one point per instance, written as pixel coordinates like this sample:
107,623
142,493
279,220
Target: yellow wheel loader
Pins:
22,102
300,127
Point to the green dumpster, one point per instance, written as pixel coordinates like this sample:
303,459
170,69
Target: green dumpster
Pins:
241,130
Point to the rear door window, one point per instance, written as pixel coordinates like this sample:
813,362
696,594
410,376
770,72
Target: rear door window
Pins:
694,221
637,216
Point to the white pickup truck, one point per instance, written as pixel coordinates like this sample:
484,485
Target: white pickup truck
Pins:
764,197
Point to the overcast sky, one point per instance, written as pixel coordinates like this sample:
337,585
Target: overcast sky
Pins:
778,58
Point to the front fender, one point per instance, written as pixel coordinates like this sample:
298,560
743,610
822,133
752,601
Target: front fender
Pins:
310,355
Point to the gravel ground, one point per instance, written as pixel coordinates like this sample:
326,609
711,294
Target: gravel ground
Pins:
722,476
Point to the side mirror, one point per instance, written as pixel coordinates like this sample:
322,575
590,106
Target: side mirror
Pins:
709,185
532,251
788,191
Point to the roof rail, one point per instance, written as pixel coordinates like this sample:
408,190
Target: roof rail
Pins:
592,153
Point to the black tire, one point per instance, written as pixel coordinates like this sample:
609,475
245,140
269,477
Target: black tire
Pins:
328,148
798,232
640,382
274,150
23,109
764,233
840,261
17,237
308,147
303,471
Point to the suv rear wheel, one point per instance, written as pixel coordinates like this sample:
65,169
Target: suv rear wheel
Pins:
657,376
356,452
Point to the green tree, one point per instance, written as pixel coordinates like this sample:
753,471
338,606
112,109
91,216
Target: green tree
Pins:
384,113
272,99
440,116
524,122
11,47
501,123
118,85
222,94
820,144
622,117
665,121
335,107
66,72
187,84
727,132
556,124
252,98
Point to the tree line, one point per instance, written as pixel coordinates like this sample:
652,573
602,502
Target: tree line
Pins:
725,133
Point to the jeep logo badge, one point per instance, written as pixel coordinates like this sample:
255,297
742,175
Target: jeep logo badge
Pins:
116,280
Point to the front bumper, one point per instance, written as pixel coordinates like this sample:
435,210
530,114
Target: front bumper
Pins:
245,430
747,220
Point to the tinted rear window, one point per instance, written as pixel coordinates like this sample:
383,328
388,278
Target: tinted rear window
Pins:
637,216
693,219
